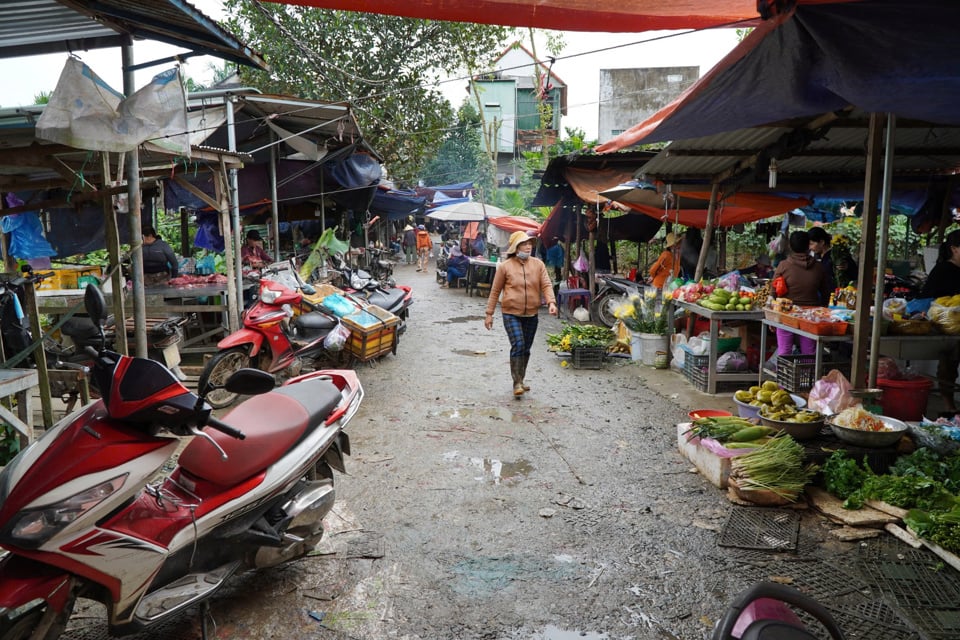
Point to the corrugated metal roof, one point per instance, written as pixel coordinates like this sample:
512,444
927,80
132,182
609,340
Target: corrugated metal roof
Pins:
34,27
921,150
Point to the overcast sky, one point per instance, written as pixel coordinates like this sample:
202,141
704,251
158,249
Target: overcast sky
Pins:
578,65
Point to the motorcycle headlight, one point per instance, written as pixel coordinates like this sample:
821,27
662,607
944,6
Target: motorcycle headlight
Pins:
269,296
30,528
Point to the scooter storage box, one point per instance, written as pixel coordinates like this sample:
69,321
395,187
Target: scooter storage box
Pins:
373,332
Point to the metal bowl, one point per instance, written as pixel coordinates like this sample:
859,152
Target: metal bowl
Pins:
872,439
798,430
746,410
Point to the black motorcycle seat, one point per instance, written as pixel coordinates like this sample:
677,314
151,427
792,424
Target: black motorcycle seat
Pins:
314,321
80,328
273,423
389,299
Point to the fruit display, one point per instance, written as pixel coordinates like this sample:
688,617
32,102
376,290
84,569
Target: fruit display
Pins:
721,299
762,294
769,395
789,413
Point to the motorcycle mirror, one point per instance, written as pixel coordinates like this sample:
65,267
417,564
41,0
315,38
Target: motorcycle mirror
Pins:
95,304
249,382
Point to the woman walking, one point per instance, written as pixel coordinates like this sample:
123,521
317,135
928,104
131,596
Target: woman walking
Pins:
524,283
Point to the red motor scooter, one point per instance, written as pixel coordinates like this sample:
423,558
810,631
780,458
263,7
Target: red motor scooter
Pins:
78,518
274,338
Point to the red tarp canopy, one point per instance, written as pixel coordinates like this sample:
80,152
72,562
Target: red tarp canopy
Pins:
515,223
624,16
736,209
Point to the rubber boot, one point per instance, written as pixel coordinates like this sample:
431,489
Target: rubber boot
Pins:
523,371
515,367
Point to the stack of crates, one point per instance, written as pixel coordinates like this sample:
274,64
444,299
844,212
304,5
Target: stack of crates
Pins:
67,277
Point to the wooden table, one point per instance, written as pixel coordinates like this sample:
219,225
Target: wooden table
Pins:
160,302
18,383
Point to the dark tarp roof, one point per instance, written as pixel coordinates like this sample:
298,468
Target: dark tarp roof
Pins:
876,55
397,204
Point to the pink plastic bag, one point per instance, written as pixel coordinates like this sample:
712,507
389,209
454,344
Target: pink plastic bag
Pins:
831,394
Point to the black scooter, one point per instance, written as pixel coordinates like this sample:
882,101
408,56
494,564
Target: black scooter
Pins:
396,300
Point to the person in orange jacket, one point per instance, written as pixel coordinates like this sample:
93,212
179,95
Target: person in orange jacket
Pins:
424,246
667,265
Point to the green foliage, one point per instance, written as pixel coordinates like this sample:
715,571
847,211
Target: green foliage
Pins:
382,65
461,157
9,443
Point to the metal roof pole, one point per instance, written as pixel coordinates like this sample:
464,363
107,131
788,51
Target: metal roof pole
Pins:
708,231
136,237
236,290
274,212
868,250
882,249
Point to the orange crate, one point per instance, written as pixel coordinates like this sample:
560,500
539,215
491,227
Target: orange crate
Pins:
790,320
373,332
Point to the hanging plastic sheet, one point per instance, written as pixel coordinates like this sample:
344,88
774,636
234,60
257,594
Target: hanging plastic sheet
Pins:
26,232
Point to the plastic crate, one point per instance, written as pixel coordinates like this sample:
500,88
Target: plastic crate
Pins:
796,373
373,332
696,370
66,277
587,357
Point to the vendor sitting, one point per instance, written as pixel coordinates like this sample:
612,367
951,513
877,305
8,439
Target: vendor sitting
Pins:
456,266
159,262
252,253
944,280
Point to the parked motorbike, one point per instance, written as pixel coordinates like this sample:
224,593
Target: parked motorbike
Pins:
278,336
381,266
396,300
78,518
762,613
610,292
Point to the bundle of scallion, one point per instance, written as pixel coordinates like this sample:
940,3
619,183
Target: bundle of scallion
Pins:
776,466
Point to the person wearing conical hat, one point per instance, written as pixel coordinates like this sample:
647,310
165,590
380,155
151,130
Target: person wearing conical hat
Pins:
409,243
667,265
524,283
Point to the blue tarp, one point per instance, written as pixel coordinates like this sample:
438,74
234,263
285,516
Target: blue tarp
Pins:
397,205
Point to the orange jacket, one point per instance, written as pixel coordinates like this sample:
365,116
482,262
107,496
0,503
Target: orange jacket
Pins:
665,268
524,285
423,240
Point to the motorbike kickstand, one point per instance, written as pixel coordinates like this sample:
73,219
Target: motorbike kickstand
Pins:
205,619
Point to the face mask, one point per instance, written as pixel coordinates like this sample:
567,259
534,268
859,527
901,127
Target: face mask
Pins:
523,255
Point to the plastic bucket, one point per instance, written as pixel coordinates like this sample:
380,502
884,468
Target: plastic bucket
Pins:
650,344
905,399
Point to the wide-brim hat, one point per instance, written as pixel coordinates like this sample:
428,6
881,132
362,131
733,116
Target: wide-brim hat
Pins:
408,228
672,239
517,238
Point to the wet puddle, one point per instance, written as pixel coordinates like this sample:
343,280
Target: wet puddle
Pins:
469,352
462,413
459,320
492,470
551,632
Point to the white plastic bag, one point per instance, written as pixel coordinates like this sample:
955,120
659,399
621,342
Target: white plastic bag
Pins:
677,342
337,338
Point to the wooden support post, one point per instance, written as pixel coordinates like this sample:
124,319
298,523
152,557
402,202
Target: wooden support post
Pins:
117,283
43,380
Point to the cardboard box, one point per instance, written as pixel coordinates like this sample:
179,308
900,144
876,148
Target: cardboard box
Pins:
711,466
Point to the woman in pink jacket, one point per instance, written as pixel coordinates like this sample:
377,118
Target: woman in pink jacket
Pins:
524,283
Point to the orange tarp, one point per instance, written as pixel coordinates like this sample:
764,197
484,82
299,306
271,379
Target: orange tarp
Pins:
623,16
737,209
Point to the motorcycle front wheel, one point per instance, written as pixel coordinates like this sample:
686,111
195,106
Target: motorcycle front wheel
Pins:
23,626
222,366
603,308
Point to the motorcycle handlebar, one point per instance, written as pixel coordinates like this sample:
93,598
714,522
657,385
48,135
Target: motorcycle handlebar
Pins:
223,427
